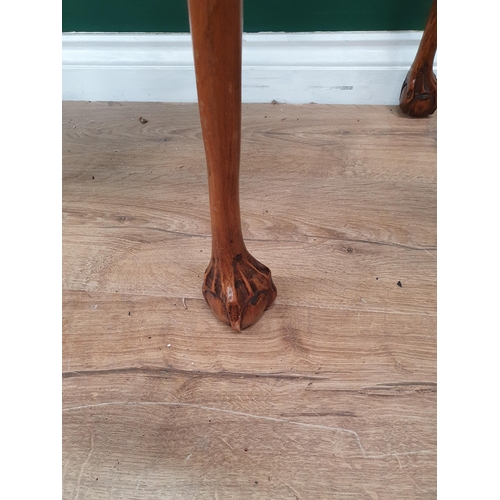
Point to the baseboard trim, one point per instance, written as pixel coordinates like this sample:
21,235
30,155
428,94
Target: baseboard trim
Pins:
327,68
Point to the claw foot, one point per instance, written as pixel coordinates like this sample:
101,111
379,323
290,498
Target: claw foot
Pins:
238,290
419,93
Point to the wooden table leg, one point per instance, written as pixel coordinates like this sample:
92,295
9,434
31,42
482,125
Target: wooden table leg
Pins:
419,92
237,287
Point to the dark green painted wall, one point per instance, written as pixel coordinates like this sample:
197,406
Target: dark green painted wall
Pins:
170,16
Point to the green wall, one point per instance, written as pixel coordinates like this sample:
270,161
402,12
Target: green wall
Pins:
170,16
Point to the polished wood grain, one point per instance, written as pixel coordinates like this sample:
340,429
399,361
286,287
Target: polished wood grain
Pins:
332,394
236,286
419,91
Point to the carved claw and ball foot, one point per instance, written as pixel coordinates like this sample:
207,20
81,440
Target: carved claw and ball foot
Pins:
238,289
419,93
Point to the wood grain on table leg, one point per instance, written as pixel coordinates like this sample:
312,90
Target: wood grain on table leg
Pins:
237,287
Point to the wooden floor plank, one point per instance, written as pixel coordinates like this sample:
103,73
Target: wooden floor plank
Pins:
324,273
106,331
332,395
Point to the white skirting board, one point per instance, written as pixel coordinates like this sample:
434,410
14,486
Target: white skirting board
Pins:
326,68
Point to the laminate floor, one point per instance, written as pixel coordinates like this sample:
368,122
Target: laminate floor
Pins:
332,394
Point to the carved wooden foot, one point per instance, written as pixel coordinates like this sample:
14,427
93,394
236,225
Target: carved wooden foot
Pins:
238,290
419,91
237,287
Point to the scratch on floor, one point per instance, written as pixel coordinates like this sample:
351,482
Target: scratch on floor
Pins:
188,457
83,467
401,453
427,251
225,442
238,413
417,486
64,469
296,493
399,462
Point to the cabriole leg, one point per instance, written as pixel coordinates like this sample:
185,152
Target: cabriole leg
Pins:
419,92
236,286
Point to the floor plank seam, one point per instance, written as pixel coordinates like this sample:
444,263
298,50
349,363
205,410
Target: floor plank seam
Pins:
297,241
278,302
148,370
